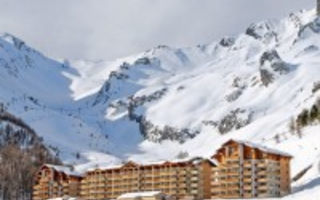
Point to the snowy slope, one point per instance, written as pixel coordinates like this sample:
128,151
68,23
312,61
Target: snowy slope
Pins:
153,105
34,88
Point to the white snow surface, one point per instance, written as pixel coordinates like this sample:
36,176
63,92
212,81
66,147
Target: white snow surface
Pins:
139,194
80,108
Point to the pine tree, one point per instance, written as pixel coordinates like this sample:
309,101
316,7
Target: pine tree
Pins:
21,154
303,118
299,131
277,138
314,113
292,126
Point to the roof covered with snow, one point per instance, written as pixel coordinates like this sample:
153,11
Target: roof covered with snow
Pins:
261,147
64,169
213,161
194,161
183,160
139,194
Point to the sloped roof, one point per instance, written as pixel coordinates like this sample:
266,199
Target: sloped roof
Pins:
130,164
260,147
104,167
64,169
193,160
213,161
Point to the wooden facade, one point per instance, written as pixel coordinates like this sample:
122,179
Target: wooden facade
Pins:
55,181
248,171
177,179
238,170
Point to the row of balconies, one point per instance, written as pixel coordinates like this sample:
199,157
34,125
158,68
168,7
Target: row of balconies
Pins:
151,187
169,184
150,182
246,172
260,163
125,184
116,193
151,179
109,193
137,178
141,173
173,178
163,184
246,187
246,193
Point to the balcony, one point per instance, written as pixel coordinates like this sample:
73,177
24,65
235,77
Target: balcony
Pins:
233,166
84,192
247,172
37,186
36,192
232,173
247,164
194,172
215,189
247,187
231,180
262,179
101,185
233,188
183,185
232,196
194,185
194,179
262,172
262,188
182,172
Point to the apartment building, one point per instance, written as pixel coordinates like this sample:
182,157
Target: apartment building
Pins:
184,179
247,170
53,181
238,169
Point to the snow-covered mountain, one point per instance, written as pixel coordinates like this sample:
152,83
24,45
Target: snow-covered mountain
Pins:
165,101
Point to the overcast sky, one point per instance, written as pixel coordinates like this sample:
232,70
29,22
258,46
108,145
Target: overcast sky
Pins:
107,29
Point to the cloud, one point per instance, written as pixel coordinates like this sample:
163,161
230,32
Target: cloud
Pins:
107,29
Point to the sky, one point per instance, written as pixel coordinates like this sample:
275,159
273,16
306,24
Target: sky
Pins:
108,29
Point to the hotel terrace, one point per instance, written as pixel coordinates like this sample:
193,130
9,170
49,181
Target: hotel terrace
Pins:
239,169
